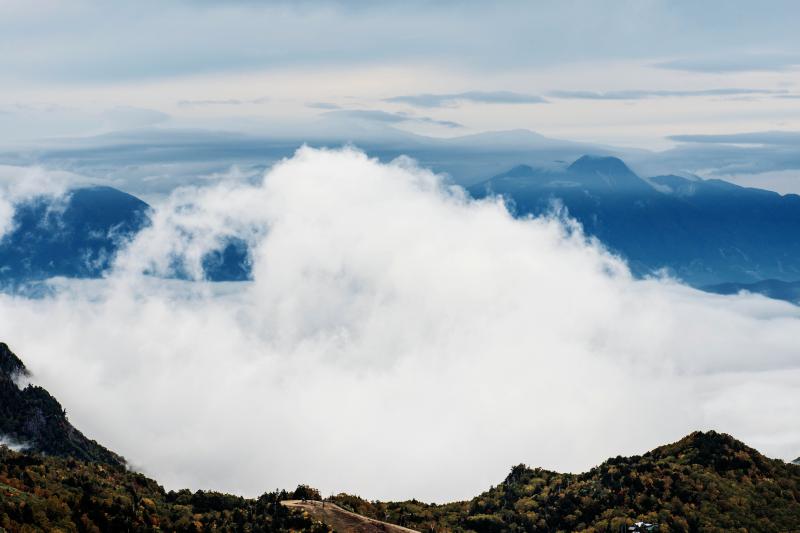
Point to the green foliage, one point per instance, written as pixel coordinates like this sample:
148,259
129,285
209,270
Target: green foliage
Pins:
704,482
39,493
304,492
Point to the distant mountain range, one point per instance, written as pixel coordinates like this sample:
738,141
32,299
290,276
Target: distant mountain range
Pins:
702,231
78,235
57,479
709,233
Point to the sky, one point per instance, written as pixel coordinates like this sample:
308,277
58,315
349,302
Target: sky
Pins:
374,352
623,72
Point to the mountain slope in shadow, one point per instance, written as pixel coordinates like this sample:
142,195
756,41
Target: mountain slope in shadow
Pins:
704,232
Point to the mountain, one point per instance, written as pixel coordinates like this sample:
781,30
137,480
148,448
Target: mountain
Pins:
74,236
704,232
44,493
772,288
188,156
58,480
78,236
707,481
35,421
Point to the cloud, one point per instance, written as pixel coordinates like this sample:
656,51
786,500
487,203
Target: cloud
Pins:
374,115
30,121
322,105
191,38
13,444
225,102
453,100
734,62
398,340
643,94
788,138
125,117
22,184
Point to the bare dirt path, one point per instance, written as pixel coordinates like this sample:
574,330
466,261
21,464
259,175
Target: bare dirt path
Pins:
343,521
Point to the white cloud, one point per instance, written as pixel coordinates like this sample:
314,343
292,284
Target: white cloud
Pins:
12,444
21,184
398,340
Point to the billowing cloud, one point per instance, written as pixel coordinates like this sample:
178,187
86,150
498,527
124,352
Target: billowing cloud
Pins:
21,184
398,340
454,99
643,94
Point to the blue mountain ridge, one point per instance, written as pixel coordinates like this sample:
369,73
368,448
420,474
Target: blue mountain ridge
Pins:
78,236
712,234
704,232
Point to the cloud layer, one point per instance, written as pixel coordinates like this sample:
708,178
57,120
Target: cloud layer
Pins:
454,99
634,94
398,340
375,115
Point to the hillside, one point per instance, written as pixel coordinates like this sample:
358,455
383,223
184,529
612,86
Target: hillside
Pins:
32,418
40,493
342,520
704,482
61,480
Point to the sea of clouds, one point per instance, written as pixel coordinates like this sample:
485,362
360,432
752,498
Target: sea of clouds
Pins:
398,340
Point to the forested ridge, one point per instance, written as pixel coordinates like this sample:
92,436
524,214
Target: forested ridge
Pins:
707,481
59,480
40,493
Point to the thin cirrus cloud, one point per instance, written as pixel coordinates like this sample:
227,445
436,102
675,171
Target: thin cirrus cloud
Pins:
375,115
734,63
322,105
455,99
645,94
222,102
778,138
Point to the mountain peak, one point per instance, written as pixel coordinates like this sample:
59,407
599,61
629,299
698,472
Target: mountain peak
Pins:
716,450
607,165
519,171
32,417
10,364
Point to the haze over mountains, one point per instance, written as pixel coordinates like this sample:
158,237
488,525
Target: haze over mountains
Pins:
707,232
701,231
